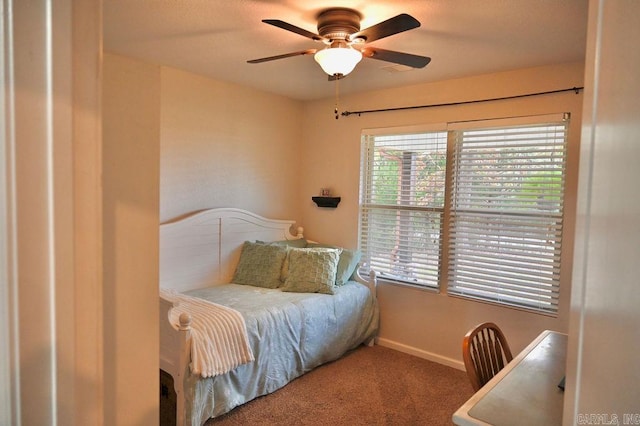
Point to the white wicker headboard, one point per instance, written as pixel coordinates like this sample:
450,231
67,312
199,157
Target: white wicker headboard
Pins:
203,249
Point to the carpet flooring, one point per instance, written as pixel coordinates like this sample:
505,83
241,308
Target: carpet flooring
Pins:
368,386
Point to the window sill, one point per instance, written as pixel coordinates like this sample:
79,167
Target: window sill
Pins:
386,281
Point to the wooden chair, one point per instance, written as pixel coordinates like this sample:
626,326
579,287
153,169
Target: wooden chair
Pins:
485,352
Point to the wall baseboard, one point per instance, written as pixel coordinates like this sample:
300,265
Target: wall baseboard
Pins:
429,356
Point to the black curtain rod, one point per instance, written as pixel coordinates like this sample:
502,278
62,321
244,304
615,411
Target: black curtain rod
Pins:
574,89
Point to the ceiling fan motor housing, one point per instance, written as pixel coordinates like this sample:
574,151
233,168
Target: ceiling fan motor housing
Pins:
338,23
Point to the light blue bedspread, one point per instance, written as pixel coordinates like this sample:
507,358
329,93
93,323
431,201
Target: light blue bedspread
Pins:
289,333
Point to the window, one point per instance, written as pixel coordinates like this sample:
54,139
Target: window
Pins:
402,205
506,214
504,210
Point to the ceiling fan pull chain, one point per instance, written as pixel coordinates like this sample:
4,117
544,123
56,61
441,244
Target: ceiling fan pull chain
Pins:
337,98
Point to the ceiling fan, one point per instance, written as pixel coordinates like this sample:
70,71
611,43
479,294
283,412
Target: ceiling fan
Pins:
339,29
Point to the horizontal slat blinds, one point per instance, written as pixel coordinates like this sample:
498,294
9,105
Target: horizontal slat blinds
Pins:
505,228
401,205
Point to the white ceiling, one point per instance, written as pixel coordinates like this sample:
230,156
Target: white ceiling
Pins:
215,38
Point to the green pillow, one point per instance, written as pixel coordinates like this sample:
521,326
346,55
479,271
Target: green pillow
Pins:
312,270
260,265
298,243
347,265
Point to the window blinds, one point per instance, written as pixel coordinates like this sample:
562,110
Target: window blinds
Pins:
401,205
505,228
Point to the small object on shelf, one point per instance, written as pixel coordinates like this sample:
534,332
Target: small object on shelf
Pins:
331,202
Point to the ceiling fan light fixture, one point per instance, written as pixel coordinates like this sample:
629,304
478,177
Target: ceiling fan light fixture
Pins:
338,60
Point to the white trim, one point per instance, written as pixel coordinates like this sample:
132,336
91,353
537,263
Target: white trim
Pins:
465,125
429,356
508,121
417,128
9,337
583,213
50,203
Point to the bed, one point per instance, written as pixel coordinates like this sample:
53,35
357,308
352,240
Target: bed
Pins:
288,331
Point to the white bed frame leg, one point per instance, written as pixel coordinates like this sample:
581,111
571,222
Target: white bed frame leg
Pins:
175,353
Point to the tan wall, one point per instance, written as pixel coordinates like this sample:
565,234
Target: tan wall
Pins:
224,145
131,159
422,322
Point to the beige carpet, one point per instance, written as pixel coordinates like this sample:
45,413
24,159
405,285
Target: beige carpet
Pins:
368,386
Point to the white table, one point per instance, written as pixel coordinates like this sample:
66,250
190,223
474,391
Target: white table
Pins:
525,391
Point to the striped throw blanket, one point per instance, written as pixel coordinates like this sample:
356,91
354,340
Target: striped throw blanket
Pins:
219,341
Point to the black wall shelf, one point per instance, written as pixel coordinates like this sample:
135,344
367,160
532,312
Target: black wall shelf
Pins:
331,202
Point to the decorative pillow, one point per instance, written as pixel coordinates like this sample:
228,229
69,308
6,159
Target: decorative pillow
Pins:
347,265
312,270
284,273
260,265
298,243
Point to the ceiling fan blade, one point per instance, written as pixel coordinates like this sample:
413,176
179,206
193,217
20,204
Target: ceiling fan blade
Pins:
286,55
407,59
289,27
391,26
